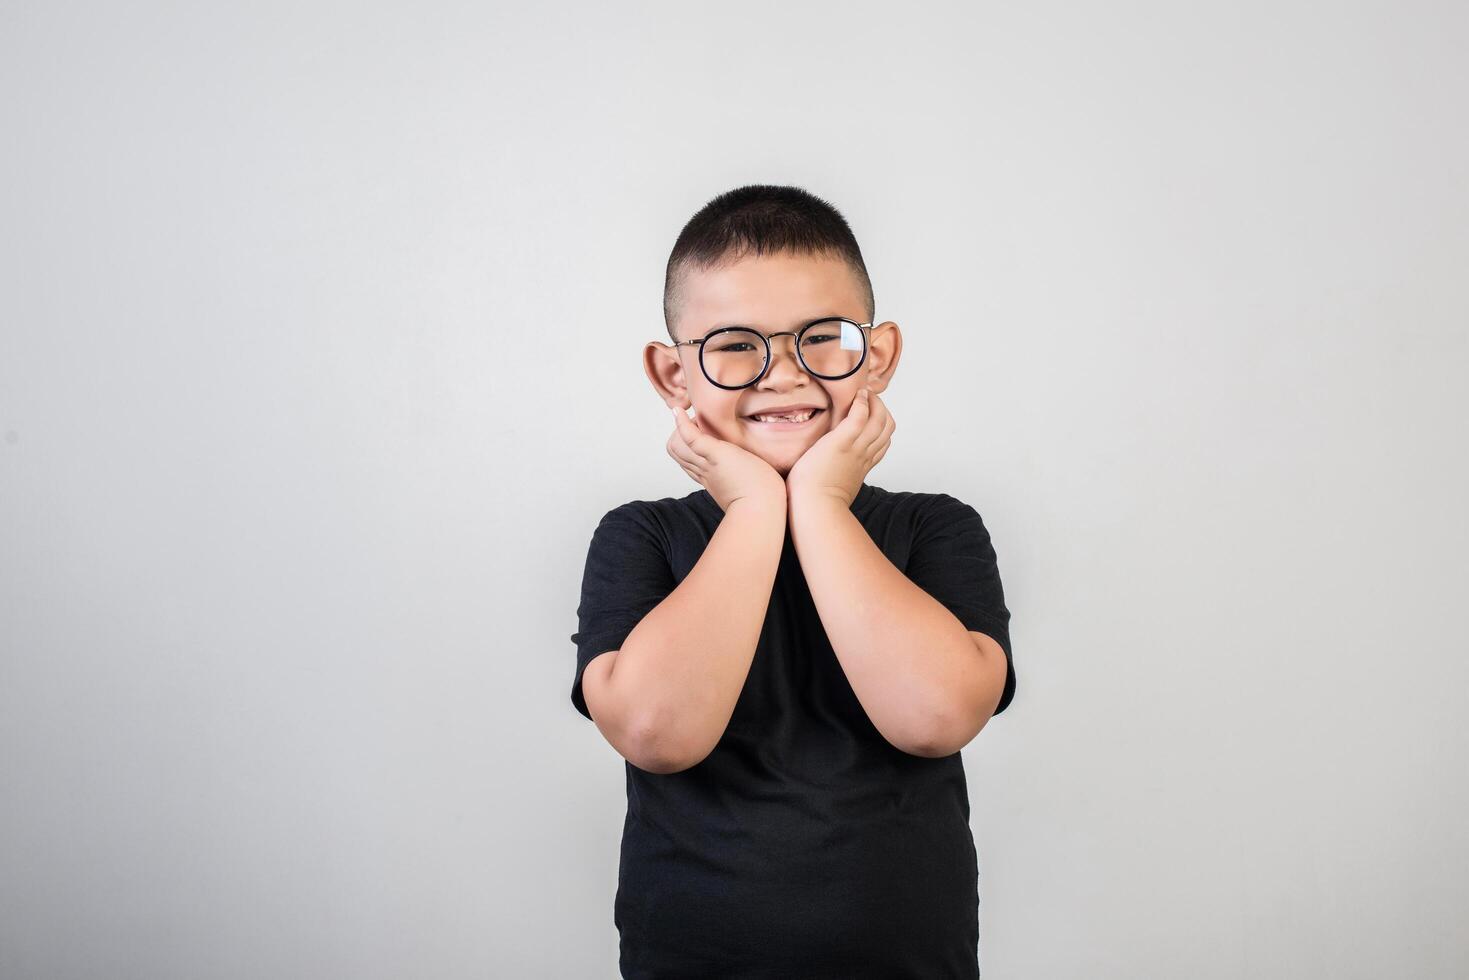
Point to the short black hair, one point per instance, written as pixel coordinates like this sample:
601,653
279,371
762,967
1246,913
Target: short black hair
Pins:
763,219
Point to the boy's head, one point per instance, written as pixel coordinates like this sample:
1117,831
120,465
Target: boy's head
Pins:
772,259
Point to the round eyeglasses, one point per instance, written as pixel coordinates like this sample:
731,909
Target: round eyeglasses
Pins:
736,357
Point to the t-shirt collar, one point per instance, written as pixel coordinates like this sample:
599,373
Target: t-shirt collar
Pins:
707,501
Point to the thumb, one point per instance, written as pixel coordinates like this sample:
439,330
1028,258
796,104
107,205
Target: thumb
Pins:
687,427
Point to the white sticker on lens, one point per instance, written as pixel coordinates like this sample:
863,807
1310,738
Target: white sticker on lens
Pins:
851,336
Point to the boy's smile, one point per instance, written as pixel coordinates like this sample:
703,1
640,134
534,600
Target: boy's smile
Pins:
770,293
785,418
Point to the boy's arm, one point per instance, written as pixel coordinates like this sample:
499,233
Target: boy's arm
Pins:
665,697
926,682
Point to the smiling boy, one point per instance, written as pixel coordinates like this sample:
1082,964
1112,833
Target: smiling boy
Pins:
789,659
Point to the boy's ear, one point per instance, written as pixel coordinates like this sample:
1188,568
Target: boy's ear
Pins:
884,347
664,369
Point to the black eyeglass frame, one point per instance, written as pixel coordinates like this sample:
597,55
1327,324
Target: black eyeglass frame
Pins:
796,334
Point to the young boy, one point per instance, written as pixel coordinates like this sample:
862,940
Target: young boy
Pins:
789,658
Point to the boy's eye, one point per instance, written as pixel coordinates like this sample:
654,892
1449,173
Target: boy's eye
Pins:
817,338
735,347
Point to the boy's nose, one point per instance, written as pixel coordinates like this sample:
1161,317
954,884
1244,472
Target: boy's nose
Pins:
783,359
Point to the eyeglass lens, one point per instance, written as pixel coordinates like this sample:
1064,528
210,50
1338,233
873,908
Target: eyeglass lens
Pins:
829,348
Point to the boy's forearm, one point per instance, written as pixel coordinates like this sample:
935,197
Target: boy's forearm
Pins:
912,664
680,671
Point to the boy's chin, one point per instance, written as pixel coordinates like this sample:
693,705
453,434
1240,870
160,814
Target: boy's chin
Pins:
780,462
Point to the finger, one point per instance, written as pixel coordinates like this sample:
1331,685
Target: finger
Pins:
877,416
878,409
688,433
883,441
694,475
881,453
883,434
682,454
857,416
688,428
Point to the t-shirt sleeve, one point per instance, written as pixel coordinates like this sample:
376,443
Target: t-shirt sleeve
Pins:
626,575
953,560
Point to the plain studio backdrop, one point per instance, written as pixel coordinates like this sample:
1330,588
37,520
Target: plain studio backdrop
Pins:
321,360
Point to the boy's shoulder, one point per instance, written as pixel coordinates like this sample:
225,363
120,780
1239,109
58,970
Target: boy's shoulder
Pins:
939,500
654,508
922,515
666,521
918,503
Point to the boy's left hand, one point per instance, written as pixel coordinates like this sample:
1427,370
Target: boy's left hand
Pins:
838,462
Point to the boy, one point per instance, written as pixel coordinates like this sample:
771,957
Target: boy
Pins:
789,658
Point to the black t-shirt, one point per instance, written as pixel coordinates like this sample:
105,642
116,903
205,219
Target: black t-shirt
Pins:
805,844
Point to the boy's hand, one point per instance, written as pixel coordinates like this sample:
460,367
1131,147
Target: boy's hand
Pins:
838,462
728,472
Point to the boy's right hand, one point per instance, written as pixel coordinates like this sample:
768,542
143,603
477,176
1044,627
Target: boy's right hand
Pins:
728,472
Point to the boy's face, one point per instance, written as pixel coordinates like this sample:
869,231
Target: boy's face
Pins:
770,293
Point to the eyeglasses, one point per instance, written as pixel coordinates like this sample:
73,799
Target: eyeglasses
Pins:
831,348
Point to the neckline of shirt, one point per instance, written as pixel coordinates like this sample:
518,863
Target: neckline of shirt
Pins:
707,501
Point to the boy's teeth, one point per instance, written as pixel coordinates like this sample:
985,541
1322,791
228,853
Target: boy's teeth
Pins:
797,417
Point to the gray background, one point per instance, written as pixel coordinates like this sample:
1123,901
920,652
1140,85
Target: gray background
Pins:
320,361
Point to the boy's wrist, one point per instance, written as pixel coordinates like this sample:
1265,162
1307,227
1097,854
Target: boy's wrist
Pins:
770,506
815,499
